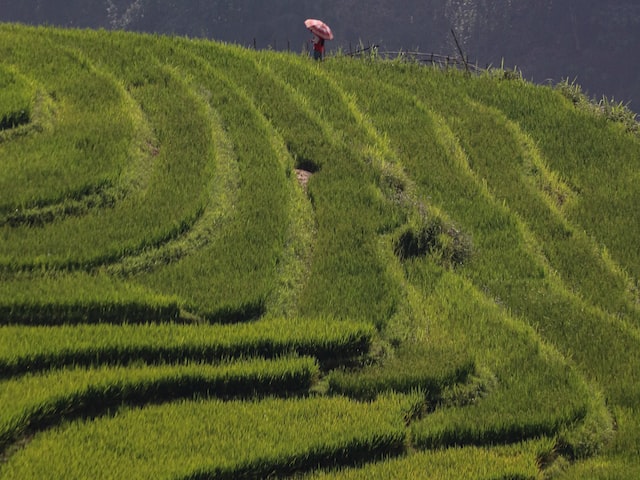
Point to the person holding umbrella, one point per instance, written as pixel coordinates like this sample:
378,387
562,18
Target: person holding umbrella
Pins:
321,32
318,47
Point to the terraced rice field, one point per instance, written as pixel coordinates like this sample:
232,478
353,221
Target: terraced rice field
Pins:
451,292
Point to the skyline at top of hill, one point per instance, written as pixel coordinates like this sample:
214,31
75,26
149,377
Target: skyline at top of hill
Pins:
549,41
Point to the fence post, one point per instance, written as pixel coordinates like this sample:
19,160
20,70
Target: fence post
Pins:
466,65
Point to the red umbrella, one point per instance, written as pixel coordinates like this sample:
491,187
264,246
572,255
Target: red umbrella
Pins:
320,28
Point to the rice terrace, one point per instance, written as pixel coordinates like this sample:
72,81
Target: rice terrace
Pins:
222,263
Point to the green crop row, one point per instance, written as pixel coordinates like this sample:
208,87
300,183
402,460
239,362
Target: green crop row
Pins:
494,195
444,174
520,461
40,119
610,468
526,376
80,298
101,311
427,369
24,349
37,401
593,155
213,439
520,378
16,99
232,277
83,146
501,155
347,273
508,262
490,424
166,194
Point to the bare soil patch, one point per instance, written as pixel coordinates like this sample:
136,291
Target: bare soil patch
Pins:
303,177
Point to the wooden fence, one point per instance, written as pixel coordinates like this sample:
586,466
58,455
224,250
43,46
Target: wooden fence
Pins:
444,61
373,51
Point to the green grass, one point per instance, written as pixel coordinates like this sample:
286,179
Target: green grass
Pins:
430,370
24,349
460,274
249,249
514,462
81,298
82,149
168,193
209,439
17,99
37,401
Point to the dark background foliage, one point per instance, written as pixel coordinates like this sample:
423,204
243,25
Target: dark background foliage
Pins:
593,42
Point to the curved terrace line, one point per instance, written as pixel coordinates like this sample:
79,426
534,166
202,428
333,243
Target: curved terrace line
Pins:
102,391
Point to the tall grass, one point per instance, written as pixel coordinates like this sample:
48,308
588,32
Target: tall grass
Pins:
16,99
234,275
211,439
508,262
81,298
457,238
516,462
168,205
38,401
347,274
595,155
434,158
24,349
84,148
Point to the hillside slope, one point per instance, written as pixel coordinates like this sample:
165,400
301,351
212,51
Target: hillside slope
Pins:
547,39
452,293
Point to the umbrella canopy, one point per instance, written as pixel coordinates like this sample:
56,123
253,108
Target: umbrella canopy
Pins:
320,28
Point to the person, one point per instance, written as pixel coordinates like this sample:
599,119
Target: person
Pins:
318,47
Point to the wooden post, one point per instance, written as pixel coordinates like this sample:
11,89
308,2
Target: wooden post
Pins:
466,65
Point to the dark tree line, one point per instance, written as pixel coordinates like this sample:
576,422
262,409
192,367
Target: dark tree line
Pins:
593,41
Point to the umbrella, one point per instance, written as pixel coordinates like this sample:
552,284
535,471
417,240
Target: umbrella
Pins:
320,28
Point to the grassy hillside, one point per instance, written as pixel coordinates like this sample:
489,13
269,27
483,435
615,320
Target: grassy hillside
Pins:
452,293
